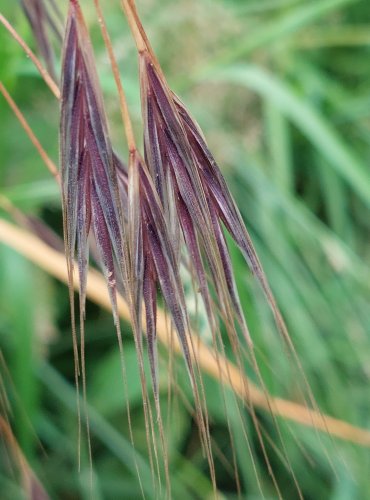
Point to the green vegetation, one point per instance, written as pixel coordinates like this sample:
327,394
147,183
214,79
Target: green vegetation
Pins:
281,89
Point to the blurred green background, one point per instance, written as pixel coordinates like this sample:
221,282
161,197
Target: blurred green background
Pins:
281,89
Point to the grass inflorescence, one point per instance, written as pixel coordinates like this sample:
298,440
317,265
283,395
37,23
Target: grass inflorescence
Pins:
171,241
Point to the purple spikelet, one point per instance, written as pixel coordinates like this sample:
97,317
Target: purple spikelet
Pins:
185,182
156,263
89,185
190,183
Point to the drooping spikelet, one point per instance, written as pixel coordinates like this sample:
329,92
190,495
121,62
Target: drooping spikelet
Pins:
156,264
88,179
190,184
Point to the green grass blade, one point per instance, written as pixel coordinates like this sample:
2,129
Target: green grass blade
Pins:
279,145
268,33
310,122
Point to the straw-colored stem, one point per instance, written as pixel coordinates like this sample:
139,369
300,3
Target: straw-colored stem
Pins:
122,97
47,160
42,70
53,262
139,34
141,42
138,31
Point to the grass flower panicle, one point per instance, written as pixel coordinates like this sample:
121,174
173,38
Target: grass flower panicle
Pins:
163,227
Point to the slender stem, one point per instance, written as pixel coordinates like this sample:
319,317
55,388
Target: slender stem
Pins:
138,33
47,160
140,37
42,70
122,96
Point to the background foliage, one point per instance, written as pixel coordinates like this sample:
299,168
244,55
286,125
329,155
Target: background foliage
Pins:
281,90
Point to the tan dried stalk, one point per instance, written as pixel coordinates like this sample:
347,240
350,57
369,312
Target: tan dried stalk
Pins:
36,61
45,158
